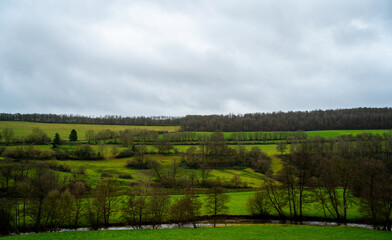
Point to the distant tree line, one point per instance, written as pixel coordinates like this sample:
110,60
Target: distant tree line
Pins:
339,119
357,118
104,120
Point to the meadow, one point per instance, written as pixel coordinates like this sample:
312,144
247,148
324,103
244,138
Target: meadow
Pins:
238,197
245,232
22,129
324,133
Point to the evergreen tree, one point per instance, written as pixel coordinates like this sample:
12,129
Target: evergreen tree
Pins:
73,137
56,140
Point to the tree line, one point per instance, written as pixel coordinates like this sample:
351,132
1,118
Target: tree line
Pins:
36,198
339,119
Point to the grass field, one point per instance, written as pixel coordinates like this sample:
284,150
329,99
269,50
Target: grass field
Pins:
245,232
335,133
22,129
326,133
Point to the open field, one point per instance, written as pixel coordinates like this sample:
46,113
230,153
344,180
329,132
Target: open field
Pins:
335,133
94,169
270,232
22,129
116,168
326,133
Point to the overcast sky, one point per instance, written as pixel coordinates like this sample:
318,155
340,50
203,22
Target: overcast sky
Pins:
194,57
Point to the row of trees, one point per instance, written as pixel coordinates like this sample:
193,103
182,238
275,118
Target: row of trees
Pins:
37,136
356,118
39,199
80,152
333,176
79,119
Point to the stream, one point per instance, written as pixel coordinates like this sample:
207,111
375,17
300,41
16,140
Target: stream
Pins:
219,223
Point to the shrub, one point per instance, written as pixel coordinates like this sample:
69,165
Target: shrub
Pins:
85,152
258,204
46,154
20,153
125,176
60,155
2,149
106,175
60,167
142,163
126,153
38,137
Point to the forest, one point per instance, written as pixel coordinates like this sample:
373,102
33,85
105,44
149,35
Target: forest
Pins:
356,118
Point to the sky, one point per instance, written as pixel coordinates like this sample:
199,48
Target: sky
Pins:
175,58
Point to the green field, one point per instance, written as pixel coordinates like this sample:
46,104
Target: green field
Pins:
245,232
117,167
22,129
326,133
335,133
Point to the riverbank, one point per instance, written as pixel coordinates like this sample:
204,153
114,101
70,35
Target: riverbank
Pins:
229,232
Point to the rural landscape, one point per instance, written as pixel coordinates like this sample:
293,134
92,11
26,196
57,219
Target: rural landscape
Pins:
216,120
64,172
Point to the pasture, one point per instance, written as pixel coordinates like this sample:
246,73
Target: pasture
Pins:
22,129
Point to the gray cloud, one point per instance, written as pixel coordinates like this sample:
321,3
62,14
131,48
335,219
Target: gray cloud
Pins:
203,57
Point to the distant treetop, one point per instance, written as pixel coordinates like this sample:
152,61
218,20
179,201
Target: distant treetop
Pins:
339,119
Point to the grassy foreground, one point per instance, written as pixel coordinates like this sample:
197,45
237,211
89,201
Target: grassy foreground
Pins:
227,233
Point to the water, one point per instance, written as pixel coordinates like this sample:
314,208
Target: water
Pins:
230,222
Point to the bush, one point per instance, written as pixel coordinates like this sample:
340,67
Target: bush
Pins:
85,152
125,176
258,204
60,167
80,170
46,154
145,163
38,137
21,153
14,153
60,155
126,153
106,175
237,182
2,149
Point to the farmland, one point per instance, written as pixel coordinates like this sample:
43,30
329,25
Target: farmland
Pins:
22,129
162,159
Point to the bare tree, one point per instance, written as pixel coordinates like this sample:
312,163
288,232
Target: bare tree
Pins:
277,196
216,202
185,209
158,206
258,204
8,135
106,198
90,136
135,207
281,147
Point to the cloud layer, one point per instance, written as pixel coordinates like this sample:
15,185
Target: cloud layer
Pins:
201,57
